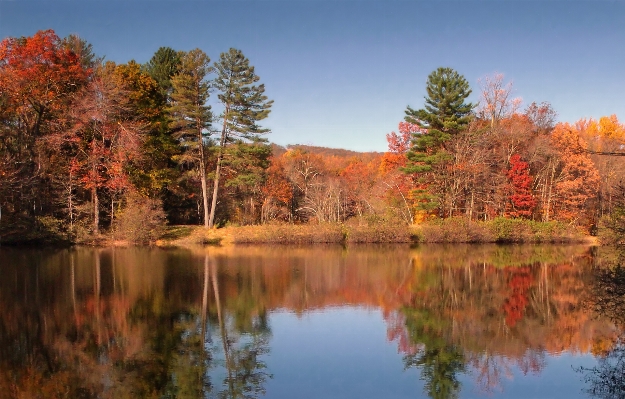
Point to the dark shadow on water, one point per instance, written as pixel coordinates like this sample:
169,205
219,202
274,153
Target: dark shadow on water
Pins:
607,379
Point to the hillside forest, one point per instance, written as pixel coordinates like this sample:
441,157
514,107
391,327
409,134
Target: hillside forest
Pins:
89,146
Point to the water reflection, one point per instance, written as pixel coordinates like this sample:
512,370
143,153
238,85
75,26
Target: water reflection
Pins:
152,323
607,379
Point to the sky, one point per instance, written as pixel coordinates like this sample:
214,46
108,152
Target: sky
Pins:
341,72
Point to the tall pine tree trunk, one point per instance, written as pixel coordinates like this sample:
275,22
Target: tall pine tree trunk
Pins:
220,156
203,177
211,222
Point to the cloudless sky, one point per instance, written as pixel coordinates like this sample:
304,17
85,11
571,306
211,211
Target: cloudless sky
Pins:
341,72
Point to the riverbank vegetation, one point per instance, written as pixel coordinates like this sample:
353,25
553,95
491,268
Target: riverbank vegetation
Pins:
91,150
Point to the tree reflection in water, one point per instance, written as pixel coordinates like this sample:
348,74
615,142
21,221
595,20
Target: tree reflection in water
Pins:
145,323
244,341
607,379
490,320
124,327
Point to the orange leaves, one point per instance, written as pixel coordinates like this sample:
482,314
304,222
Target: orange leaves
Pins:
608,127
579,178
38,75
277,185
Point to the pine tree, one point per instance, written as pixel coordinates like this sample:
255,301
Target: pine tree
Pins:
191,116
444,115
445,109
244,105
163,65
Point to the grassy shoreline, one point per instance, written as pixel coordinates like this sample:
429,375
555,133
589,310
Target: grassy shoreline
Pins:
442,231
454,230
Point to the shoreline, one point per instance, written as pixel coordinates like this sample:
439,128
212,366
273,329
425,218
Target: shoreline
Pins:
293,234
449,231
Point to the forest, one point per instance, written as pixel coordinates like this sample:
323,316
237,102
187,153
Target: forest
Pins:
90,147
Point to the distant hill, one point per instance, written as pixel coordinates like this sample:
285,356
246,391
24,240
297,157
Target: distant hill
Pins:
326,152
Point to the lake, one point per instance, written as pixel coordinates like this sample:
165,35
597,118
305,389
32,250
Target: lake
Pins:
435,321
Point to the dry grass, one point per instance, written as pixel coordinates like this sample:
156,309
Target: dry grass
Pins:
499,230
456,230
285,234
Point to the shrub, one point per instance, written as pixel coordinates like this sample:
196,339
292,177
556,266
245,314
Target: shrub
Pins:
142,220
455,229
290,234
380,233
500,229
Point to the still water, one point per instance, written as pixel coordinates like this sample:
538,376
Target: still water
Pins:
455,321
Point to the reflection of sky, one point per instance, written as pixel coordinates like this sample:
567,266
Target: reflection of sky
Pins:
558,379
336,353
344,353
342,72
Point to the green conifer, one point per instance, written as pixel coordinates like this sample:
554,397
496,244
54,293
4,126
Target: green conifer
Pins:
245,104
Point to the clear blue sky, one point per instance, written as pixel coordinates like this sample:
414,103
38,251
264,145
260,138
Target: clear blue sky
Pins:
342,72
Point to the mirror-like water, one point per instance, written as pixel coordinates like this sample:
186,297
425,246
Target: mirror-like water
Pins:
452,321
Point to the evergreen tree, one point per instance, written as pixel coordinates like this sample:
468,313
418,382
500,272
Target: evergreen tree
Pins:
163,65
191,117
445,109
244,105
444,115
83,49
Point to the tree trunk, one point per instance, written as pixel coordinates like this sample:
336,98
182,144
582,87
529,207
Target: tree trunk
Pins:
211,221
205,302
220,155
96,211
203,178
549,193
222,326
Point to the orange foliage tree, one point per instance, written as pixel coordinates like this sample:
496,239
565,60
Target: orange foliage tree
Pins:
277,192
579,180
606,136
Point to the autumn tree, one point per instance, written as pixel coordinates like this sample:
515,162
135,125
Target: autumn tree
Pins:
496,102
605,138
39,78
277,192
244,105
396,186
191,115
542,116
521,198
579,180
104,138
399,145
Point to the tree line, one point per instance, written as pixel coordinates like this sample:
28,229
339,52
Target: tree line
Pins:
88,145
495,159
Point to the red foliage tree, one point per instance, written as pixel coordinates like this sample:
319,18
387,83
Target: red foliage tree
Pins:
521,199
38,76
519,281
